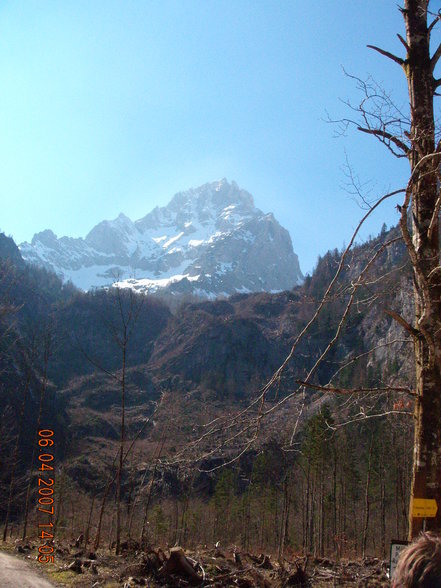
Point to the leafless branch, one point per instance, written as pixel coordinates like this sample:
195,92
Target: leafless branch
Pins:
362,416
379,115
95,363
338,390
433,221
435,58
366,353
398,60
388,137
406,46
355,187
399,319
433,23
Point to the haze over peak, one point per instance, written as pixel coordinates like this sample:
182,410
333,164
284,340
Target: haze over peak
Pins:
207,241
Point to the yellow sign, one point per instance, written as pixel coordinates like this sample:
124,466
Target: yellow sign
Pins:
424,508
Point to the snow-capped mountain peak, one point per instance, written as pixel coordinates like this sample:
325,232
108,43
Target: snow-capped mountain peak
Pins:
209,241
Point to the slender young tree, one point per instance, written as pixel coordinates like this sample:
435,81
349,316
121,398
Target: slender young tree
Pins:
129,306
47,344
28,367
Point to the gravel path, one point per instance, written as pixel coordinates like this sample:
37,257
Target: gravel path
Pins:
16,573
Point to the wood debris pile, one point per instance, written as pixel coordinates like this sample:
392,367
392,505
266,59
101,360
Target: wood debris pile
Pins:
214,568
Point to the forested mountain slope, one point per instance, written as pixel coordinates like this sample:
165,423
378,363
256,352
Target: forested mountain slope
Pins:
201,362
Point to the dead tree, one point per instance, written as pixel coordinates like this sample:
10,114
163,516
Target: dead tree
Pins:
415,138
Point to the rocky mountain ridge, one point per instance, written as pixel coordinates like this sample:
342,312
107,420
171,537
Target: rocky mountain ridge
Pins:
208,242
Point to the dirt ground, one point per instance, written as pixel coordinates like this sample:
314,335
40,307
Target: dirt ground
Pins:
82,568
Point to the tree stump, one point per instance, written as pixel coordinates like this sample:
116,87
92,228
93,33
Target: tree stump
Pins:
178,564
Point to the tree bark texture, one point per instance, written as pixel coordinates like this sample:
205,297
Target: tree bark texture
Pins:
424,252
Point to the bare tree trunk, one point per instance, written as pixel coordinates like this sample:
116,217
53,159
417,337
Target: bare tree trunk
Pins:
367,501
424,250
60,503
246,519
97,541
127,316
334,500
109,484
308,509
397,492
355,526
143,535
322,514
89,522
422,242
72,519
176,530
185,505
111,531
284,518
382,475
46,356
121,449
312,516
15,457
339,538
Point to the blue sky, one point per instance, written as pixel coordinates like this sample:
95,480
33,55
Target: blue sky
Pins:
113,106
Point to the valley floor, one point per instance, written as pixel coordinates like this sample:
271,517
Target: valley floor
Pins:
216,567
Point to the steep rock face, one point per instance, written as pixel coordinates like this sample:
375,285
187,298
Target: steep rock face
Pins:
208,241
9,251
